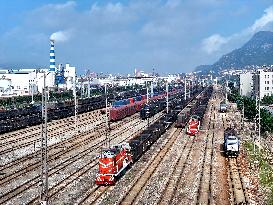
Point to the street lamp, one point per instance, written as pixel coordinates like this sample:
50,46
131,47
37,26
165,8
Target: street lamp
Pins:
75,106
185,87
147,87
32,90
167,97
189,89
44,151
107,121
242,107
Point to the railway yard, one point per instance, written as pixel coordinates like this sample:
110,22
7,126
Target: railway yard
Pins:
177,169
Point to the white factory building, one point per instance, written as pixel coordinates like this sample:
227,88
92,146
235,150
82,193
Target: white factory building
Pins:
25,81
16,82
32,81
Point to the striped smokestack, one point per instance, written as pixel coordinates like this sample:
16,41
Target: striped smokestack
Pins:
52,56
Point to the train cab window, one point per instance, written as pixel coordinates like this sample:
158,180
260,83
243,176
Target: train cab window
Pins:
232,143
107,154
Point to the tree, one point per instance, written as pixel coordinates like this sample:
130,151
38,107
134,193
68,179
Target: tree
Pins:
267,100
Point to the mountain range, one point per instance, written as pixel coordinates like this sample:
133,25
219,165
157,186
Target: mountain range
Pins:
257,51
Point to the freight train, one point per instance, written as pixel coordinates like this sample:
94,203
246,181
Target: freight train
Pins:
115,160
31,115
196,106
155,106
231,143
124,108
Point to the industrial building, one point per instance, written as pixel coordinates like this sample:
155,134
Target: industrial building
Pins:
31,81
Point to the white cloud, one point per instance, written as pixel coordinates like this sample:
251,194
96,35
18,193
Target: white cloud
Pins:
60,36
263,21
115,8
118,36
213,43
69,4
217,42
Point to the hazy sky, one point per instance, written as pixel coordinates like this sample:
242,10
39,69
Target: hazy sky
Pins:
119,36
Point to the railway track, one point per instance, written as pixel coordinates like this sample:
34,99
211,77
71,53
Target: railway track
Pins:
205,180
56,169
97,195
172,182
238,193
92,195
91,165
53,155
54,129
205,183
238,190
134,191
194,180
65,144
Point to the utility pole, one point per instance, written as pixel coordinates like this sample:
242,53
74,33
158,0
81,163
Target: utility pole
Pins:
44,154
189,89
255,128
88,90
152,88
82,90
167,97
107,125
32,94
258,110
75,106
185,92
226,89
147,86
259,125
243,116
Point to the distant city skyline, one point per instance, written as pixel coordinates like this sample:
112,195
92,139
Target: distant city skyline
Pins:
170,36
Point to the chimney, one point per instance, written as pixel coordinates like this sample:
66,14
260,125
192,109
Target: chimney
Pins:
52,56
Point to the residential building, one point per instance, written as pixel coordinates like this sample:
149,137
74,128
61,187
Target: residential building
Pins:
246,84
263,82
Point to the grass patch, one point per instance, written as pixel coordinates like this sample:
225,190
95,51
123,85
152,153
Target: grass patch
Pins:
265,169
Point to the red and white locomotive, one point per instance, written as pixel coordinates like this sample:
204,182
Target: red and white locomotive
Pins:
193,125
112,162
